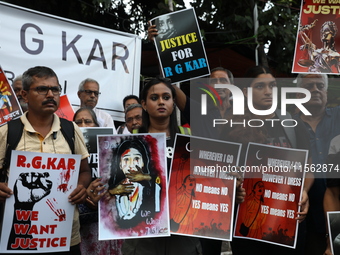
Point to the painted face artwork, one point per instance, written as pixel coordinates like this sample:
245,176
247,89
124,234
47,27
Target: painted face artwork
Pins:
129,205
130,160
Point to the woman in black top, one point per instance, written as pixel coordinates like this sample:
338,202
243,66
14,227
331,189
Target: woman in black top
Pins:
159,116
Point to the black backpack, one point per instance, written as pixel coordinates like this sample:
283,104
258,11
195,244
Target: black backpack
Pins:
14,133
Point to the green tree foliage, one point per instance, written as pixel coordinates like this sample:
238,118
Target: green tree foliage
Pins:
232,22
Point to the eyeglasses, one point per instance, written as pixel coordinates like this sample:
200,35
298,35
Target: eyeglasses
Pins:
89,92
137,118
81,121
43,90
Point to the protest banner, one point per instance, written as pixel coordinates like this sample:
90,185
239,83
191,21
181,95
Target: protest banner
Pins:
273,180
75,51
333,222
38,217
134,166
9,106
317,38
179,46
202,187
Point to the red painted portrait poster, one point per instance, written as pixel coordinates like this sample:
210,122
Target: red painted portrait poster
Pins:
9,105
135,172
201,188
273,180
318,38
38,217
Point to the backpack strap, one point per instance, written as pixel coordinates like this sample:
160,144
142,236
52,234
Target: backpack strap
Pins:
67,129
184,130
14,133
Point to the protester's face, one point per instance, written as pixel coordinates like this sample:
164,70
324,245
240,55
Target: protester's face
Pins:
220,77
316,86
131,160
88,97
133,119
130,102
84,119
40,104
159,101
262,91
17,87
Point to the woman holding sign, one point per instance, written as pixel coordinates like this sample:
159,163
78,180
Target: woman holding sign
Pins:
254,233
159,116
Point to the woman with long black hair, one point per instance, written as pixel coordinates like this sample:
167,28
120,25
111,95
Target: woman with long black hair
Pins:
273,133
159,116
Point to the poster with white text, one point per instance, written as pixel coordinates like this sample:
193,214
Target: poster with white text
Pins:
38,216
179,46
273,180
202,187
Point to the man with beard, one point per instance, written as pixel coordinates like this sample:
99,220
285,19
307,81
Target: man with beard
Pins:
322,125
88,93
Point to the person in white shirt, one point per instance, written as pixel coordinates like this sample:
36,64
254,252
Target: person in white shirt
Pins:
88,93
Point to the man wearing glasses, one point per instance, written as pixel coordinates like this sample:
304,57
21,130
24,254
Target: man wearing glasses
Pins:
133,117
322,125
88,93
42,133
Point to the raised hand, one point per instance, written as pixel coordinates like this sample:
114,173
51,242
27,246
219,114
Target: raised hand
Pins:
138,176
32,187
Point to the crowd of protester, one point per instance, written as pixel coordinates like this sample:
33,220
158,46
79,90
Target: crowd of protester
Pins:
318,133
